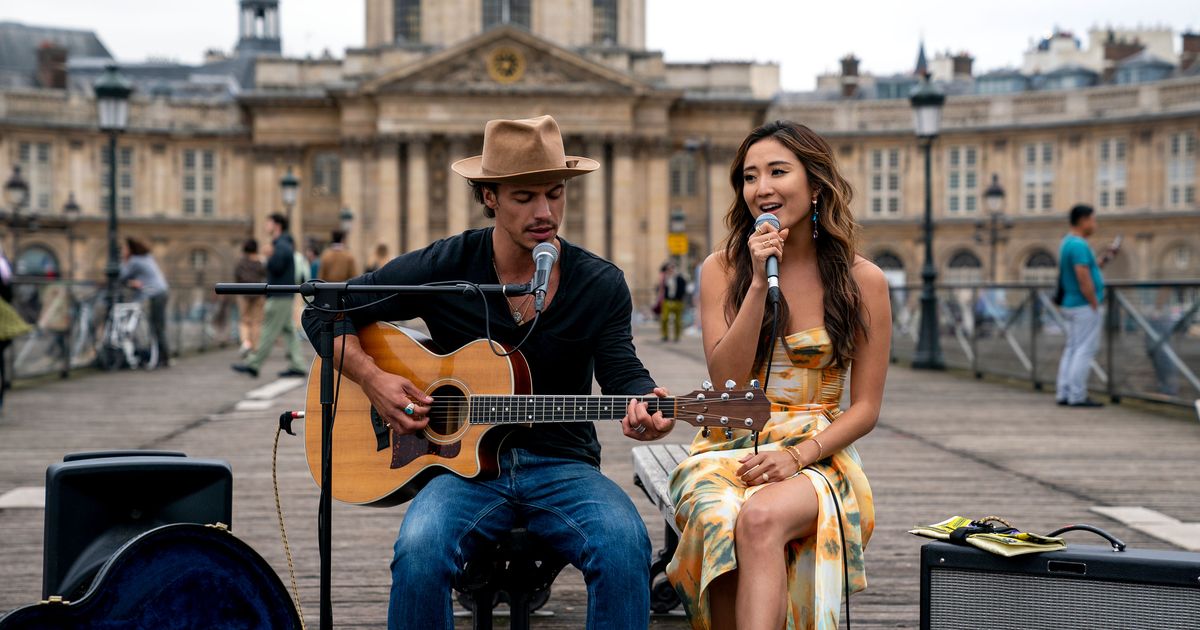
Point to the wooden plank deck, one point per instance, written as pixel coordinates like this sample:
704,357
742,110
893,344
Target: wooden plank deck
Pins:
944,445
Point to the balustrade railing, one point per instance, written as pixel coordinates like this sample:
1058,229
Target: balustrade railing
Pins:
1149,349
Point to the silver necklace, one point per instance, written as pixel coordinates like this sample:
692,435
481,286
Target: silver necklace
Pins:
517,311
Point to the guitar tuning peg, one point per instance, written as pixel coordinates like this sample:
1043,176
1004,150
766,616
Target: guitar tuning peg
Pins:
728,434
704,431
706,385
730,384
755,383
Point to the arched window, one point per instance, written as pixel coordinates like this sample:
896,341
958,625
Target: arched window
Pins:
887,260
683,174
604,22
965,267
1041,267
36,260
497,12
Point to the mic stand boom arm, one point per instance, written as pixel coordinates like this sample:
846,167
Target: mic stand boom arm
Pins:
327,297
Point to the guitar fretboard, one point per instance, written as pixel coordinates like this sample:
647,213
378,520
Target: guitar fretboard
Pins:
523,409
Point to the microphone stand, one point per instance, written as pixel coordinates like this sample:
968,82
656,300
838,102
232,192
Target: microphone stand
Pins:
328,297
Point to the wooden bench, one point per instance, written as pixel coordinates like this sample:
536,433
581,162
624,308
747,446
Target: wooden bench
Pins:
652,466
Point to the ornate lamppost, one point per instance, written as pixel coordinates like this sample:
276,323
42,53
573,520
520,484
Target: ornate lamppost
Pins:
16,193
998,223
71,212
927,101
112,104
288,186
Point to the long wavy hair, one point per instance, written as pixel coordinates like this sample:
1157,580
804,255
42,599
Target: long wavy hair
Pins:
836,241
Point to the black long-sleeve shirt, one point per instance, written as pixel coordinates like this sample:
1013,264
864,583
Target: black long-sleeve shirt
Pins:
585,330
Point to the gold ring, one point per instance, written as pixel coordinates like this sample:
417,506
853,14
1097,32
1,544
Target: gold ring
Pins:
766,476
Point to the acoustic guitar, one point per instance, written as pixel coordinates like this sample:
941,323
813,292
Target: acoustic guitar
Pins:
477,395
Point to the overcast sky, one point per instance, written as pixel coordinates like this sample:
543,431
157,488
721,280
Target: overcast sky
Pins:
804,37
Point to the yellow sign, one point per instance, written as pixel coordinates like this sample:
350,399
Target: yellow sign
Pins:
677,244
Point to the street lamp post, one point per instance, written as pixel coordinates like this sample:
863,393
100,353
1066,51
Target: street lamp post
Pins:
16,193
927,101
71,212
346,220
112,104
288,185
993,199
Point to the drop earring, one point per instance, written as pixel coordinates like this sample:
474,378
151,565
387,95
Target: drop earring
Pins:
815,214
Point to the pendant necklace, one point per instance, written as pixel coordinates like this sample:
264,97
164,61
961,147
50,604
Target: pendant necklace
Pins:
518,313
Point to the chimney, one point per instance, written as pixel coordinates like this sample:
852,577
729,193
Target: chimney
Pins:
214,55
849,76
51,66
1116,50
1191,51
961,65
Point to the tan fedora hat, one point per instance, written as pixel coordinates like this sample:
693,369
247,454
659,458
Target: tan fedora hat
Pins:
523,152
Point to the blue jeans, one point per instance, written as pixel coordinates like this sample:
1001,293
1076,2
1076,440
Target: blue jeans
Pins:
581,514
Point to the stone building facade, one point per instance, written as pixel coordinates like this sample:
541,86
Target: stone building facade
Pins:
371,136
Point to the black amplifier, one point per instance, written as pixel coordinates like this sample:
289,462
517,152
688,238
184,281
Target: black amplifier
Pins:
1080,587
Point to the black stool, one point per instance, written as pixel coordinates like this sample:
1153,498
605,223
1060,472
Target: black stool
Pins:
517,569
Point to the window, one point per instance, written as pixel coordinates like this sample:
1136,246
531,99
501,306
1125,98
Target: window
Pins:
199,182
964,267
327,174
407,23
1181,170
496,12
604,22
34,160
683,175
1111,173
888,260
198,259
1038,177
1040,267
962,193
885,182
35,260
124,180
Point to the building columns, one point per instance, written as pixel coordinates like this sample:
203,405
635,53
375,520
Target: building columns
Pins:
458,201
417,227
595,224
387,220
625,216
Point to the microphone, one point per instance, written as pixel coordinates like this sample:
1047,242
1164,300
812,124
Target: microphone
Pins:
544,256
773,293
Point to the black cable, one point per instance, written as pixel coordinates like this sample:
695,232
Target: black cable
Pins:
770,358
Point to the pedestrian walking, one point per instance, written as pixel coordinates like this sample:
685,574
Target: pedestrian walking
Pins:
337,263
1080,294
277,314
672,289
250,307
380,258
11,323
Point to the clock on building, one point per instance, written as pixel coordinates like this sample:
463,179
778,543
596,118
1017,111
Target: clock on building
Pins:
506,64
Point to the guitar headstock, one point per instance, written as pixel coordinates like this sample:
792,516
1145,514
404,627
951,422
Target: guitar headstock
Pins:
731,409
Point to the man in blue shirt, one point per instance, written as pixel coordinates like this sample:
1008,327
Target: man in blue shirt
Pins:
1083,292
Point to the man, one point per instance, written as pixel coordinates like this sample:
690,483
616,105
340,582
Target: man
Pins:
277,314
1083,293
141,273
336,263
672,289
250,268
550,474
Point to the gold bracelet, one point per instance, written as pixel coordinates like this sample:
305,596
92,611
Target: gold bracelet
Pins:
795,453
820,448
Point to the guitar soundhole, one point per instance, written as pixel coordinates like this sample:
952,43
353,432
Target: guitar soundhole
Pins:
449,413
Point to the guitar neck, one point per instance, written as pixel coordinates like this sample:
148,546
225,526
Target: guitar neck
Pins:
526,409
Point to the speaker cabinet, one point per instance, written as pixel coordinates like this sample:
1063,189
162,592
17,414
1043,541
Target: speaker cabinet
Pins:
95,502
1080,587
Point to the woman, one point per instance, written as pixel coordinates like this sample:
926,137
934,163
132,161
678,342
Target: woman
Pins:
140,272
774,538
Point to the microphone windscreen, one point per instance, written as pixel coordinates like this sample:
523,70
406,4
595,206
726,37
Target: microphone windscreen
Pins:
542,249
767,217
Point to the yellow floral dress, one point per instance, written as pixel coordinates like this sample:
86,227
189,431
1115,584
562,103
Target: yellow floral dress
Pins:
805,390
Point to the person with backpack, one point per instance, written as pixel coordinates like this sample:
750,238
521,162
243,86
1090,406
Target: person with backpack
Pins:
277,315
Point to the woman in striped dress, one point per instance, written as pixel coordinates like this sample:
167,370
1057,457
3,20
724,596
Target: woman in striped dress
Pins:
773,536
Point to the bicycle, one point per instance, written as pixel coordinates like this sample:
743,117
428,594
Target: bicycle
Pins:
127,340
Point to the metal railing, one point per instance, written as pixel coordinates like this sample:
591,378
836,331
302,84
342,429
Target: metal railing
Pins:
1149,350
69,318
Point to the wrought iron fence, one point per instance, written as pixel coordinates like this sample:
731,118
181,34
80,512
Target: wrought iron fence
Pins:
68,319
1149,350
